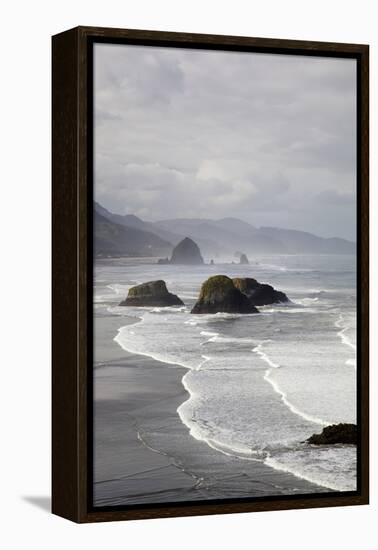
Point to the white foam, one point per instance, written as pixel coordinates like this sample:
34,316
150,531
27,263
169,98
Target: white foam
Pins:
164,309
341,324
278,390
120,290
215,337
264,357
276,465
306,301
333,468
138,346
100,299
273,267
240,451
292,310
230,340
123,342
208,333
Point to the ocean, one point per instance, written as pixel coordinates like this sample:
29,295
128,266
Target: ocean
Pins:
257,385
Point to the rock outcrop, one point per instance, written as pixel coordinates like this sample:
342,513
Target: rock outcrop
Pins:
259,294
336,433
243,259
186,252
218,294
153,293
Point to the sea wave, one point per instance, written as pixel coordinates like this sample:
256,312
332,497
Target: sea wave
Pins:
258,350
215,337
165,309
307,301
340,323
292,310
345,326
331,467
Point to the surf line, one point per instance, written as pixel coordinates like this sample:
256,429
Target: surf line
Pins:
345,340
282,394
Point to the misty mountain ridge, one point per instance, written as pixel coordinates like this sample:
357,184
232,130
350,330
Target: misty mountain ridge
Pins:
130,220
216,238
113,240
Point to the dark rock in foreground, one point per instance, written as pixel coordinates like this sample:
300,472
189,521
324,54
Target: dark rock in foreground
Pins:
219,295
186,252
244,259
259,294
337,433
153,293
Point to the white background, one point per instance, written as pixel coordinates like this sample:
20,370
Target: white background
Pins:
25,272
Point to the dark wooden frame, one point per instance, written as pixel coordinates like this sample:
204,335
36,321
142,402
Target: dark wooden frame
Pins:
72,283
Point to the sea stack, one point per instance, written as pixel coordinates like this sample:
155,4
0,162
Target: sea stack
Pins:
219,295
186,252
151,294
336,433
243,259
259,294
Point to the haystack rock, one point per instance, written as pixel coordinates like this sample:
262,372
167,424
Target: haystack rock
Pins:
186,252
259,294
219,295
153,293
336,433
244,259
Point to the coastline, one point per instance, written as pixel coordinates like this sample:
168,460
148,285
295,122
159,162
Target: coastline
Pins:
144,453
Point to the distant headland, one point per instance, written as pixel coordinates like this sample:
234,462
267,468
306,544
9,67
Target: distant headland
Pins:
171,240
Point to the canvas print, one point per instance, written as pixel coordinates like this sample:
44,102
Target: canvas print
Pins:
224,286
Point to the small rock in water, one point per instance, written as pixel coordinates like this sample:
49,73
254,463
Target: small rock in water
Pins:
336,433
259,294
153,293
244,259
187,252
219,295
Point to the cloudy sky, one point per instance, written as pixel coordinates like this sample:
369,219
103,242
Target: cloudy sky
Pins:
270,139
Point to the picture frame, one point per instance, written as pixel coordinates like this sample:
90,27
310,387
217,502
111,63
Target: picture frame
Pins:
72,272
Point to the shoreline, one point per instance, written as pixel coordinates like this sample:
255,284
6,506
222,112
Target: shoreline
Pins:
144,453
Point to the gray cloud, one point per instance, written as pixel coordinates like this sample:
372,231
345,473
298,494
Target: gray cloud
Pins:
267,138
